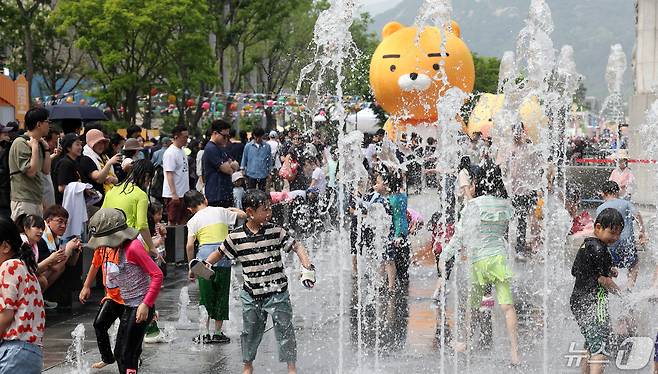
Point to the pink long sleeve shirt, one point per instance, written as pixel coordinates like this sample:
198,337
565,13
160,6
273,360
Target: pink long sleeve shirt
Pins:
136,275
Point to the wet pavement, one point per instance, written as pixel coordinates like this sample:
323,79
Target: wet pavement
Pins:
323,325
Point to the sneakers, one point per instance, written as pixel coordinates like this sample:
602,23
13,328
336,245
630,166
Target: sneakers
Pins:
155,337
153,334
215,339
205,339
49,305
220,338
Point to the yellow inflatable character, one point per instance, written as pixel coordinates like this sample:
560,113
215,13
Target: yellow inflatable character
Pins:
405,75
484,112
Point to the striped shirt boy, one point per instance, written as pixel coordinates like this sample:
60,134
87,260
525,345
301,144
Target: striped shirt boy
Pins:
260,256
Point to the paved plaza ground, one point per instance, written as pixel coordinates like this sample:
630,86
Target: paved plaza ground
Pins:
323,328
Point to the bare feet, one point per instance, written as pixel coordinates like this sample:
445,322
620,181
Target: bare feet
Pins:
292,369
248,368
99,365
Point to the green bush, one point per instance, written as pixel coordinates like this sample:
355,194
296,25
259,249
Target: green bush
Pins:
168,124
111,127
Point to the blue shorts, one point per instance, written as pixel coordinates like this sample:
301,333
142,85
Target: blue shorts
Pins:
206,249
17,356
624,255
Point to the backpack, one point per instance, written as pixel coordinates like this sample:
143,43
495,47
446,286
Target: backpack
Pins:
157,182
5,185
288,170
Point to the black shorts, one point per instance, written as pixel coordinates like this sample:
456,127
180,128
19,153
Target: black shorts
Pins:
591,314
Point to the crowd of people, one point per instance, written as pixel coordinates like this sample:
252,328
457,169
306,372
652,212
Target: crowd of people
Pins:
244,200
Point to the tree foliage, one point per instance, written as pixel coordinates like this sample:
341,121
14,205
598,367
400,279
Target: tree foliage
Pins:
130,43
486,73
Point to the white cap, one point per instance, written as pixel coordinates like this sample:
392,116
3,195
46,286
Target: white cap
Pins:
236,176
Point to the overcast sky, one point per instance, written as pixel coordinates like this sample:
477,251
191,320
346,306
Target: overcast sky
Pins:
377,6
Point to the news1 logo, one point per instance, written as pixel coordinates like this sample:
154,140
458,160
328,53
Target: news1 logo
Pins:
634,353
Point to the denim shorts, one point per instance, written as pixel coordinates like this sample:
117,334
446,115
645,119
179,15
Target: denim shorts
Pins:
17,356
206,250
254,317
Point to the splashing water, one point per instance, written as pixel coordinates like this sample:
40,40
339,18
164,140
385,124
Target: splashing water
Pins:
184,322
74,355
612,109
434,13
333,46
352,169
506,70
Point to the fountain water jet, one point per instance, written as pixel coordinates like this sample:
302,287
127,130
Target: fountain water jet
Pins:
75,353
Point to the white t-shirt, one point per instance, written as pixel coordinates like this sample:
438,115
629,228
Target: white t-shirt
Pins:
320,179
274,147
174,160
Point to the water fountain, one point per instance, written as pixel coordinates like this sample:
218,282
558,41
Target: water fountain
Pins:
612,109
203,328
184,322
74,355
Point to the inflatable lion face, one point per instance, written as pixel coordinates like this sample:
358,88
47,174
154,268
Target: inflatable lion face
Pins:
405,76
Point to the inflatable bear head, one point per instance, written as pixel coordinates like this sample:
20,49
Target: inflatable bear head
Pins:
405,74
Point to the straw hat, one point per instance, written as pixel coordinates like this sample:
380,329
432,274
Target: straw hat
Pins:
108,228
132,144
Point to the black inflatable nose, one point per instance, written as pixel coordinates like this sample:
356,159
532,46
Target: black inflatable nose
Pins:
413,76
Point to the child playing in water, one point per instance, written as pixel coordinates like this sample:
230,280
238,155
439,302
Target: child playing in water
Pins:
257,245
439,237
399,255
593,269
624,250
136,276
209,226
481,232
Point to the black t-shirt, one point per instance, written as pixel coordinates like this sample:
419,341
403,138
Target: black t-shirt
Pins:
67,171
87,166
592,261
218,184
235,150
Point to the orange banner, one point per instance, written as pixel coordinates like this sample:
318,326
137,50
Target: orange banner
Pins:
22,99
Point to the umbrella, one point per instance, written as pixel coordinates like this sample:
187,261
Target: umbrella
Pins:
74,111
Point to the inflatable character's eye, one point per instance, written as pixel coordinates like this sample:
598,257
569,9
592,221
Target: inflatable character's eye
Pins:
392,68
436,66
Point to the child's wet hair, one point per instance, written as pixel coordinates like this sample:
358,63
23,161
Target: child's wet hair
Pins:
610,188
254,198
193,199
25,221
489,181
392,178
610,218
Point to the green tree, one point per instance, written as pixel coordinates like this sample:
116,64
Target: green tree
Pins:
18,25
277,59
357,79
486,73
129,43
